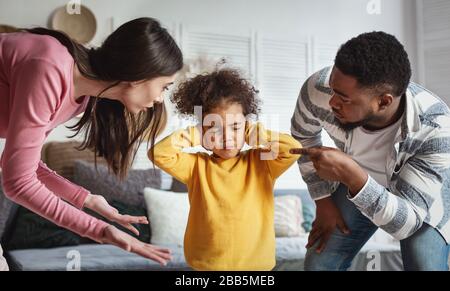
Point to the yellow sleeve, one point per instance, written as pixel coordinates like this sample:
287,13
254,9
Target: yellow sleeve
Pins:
276,145
169,155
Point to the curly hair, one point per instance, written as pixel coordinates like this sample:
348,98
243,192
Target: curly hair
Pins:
213,89
377,60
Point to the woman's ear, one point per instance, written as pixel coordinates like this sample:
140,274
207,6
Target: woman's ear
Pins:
136,83
133,84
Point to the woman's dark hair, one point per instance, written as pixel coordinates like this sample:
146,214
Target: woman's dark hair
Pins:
377,60
138,50
213,89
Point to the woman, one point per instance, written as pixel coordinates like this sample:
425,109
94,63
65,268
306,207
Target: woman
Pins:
45,80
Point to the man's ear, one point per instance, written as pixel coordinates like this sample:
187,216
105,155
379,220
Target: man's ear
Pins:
384,101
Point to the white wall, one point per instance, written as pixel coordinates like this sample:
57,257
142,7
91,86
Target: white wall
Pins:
331,21
434,46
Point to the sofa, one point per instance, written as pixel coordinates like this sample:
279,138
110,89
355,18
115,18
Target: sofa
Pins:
55,249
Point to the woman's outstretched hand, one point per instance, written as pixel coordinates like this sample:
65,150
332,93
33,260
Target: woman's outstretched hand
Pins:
116,237
99,205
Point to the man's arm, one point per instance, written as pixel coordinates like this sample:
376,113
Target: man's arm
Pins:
420,183
306,128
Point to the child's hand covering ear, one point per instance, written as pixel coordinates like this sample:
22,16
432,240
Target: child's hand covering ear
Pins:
194,136
186,138
256,136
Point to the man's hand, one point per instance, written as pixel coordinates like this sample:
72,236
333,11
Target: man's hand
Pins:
333,165
327,219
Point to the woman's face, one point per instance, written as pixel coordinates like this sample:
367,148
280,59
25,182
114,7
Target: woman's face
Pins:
139,96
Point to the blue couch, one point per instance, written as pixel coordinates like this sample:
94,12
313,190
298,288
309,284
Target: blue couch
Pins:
290,253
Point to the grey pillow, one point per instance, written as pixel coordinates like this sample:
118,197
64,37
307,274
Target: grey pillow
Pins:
178,186
99,181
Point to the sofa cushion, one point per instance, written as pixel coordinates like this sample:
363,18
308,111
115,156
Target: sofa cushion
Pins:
144,229
31,231
288,216
101,182
178,186
290,254
61,157
168,215
308,205
92,258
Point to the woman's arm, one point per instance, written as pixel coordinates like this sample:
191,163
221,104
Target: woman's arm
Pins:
169,155
74,194
274,148
36,87
82,198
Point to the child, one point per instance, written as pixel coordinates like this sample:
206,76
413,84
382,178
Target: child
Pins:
231,218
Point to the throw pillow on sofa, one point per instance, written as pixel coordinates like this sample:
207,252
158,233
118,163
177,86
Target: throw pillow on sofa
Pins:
61,157
308,205
168,215
178,186
31,231
288,217
144,229
101,182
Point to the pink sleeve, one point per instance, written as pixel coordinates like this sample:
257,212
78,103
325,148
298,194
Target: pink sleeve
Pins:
72,193
36,88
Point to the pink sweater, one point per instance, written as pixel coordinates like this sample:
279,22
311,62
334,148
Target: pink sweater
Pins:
36,95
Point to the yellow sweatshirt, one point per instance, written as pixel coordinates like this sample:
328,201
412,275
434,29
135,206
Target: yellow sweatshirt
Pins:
231,218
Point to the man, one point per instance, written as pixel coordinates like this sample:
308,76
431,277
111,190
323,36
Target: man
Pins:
392,166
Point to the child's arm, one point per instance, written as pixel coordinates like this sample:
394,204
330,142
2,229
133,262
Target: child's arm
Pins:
168,154
274,147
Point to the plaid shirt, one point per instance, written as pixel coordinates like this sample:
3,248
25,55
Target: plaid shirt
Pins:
417,170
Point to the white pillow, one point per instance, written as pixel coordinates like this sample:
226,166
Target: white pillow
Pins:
168,215
288,216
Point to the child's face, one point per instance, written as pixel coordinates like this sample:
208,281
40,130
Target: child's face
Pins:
224,130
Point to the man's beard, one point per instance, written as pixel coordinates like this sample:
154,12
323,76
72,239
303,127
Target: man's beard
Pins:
353,125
